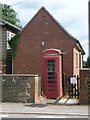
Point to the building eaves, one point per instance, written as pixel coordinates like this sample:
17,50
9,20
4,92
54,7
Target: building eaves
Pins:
9,25
80,47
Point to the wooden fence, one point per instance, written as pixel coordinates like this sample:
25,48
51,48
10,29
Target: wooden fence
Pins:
71,89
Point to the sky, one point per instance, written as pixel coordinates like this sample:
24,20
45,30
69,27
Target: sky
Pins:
71,14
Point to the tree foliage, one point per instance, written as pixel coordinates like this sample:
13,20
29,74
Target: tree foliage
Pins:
9,15
14,44
86,64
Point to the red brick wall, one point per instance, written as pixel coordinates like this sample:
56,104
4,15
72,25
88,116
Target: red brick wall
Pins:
29,53
84,96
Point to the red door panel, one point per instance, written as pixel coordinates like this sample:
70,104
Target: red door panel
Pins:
51,77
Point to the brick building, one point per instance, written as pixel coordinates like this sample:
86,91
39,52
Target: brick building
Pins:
44,32
7,31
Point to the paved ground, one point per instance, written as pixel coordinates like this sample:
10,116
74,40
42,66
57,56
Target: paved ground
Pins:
51,108
37,110
40,116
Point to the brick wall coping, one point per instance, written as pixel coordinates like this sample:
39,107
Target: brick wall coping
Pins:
30,75
85,69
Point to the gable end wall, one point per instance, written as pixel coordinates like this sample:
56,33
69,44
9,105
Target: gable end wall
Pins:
29,52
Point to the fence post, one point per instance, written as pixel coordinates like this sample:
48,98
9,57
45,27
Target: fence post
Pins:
71,90
75,92
78,86
69,86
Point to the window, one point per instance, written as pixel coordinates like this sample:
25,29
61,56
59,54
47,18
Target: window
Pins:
51,82
51,69
51,65
51,61
51,77
51,73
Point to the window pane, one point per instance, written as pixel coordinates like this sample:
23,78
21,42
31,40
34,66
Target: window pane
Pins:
51,61
51,65
51,77
51,81
51,69
51,73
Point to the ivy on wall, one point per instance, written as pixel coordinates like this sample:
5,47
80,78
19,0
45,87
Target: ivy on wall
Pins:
14,44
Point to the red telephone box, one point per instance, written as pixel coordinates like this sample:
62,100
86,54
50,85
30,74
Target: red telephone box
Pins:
52,73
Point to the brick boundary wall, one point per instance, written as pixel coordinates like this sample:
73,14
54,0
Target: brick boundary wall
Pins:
20,88
84,96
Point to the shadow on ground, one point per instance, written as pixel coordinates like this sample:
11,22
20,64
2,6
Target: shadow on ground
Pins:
66,101
36,105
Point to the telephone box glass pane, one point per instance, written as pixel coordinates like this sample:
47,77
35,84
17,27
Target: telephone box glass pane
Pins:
51,61
51,69
51,65
51,82
51,73
51,77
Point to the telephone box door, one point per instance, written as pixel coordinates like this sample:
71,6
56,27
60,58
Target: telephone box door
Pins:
51,77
